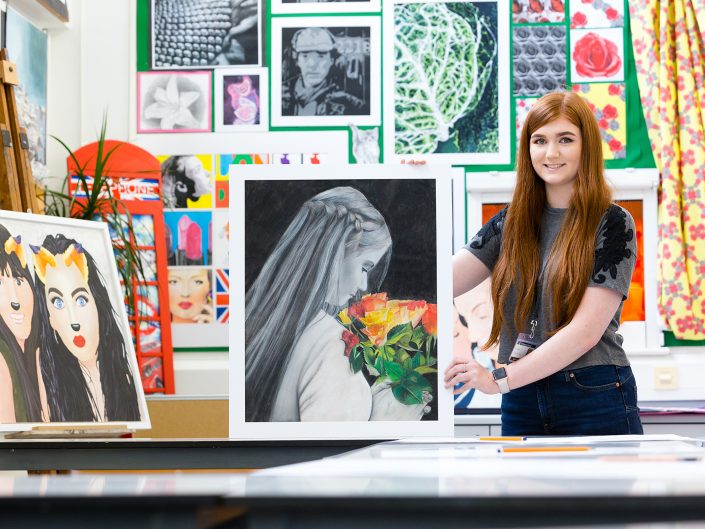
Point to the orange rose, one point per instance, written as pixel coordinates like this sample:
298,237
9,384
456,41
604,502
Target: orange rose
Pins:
430,319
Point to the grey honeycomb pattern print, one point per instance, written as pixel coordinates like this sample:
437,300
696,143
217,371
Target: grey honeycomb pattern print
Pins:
539,59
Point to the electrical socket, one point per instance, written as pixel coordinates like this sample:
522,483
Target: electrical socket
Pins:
666,378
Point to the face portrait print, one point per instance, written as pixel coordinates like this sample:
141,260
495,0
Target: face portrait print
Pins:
354,274
190,295
73,313
16,304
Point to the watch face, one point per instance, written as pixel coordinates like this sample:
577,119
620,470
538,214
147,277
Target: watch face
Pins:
499,373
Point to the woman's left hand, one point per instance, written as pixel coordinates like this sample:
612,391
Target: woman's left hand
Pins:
471,375
205,316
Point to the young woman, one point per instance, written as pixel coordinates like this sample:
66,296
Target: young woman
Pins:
561,258
337,246
19,335
83,359
190,299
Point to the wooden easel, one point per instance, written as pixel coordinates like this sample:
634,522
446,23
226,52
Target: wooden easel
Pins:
17,189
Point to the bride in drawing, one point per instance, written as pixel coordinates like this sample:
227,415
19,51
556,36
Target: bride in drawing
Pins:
84,360
337,246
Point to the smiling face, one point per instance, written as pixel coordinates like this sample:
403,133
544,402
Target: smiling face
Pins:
556,151
354,274
188,293
72,310
16,305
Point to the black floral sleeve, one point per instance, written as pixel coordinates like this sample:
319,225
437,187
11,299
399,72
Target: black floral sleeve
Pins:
615,251
486,243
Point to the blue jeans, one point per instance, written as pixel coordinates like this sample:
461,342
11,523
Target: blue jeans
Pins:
596,400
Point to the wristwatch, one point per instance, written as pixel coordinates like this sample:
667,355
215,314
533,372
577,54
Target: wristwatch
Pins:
499,375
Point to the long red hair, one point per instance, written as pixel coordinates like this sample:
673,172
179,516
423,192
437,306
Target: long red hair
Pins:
572,256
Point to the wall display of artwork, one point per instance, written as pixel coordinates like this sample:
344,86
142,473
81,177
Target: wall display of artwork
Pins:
443,109
66,289
27,47
187,34
196,188
174,101
359,355
241,99
596,55
135,180
325,71
522,107
325,6
531,11
539,60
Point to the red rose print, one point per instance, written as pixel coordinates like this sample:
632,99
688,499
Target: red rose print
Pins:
579,19
611,13
615,145
587,1
603,124
350,341
595,56
614,89
609,112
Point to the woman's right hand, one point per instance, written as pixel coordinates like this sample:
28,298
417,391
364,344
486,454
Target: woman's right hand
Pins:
205,316
386,407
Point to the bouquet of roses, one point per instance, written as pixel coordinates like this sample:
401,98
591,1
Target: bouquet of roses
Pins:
394,340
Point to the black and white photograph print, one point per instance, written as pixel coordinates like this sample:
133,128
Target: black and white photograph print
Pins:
325,71
174,101
241,99
205,33
325,6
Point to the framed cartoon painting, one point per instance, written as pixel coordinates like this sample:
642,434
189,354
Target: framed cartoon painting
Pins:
66,353
345,280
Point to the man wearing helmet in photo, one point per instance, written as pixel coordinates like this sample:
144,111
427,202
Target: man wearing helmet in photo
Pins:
313,92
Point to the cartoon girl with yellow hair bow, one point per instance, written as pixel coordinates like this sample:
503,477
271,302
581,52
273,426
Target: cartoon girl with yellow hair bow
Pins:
84,364
19,334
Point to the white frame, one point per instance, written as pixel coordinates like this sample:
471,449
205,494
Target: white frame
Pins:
640,338
218,76
278,24
241,429
102,252
505,125
365,6
260,22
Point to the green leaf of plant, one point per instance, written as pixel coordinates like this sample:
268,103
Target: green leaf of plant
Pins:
357,358
407,393
370,355
379,366
394,371
425,370
399,332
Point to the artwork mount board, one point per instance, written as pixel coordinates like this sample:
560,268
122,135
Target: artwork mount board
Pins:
242,429
258,93
280,24
502,155
325,7
95,239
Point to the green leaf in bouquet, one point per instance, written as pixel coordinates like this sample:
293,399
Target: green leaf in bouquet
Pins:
425,370
419,335
370,355
357,358
379,366
418,360
432,361
399,333
395,372
409,390
402,356
388,352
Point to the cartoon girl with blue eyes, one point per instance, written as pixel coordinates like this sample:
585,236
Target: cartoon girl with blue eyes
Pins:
84,365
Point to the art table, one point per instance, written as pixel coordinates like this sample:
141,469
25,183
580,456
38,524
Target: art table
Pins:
453,483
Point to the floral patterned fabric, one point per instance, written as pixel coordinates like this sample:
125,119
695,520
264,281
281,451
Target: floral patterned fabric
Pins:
669,55
608,102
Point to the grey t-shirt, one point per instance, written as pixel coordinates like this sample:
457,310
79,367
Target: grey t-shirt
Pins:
615,257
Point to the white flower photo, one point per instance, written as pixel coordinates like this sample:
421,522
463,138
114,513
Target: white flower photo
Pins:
174,101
